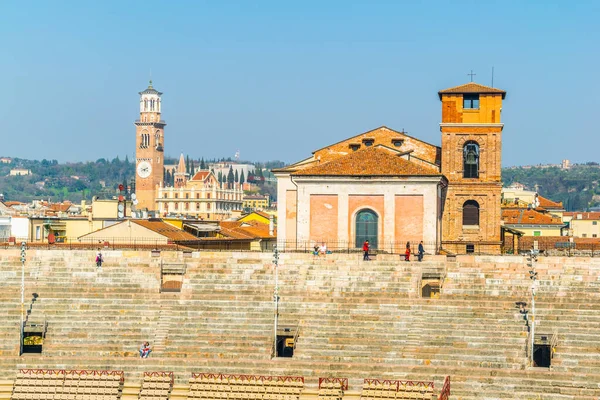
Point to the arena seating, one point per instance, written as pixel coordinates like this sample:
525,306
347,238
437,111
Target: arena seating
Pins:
356,319
41,384
245,387
332,388
156,385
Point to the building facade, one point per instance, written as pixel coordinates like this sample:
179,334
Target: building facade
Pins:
201,197
382,186
150,143
391,188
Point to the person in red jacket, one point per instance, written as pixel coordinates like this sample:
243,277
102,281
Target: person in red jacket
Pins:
366,251
407,252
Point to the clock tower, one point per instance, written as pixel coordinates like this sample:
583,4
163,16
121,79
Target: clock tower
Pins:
149,144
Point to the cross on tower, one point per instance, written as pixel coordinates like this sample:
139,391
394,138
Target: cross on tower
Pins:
472,75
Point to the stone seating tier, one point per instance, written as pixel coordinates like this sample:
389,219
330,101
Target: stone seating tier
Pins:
356,319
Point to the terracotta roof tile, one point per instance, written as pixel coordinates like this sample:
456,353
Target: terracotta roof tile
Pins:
371,161
528,217
167,230
201,175
592,216
472,87
548,204
246,230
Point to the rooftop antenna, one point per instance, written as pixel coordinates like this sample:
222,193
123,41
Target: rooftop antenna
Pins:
472,75
492,76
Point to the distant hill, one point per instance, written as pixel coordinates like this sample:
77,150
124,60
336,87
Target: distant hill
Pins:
50,180
577,187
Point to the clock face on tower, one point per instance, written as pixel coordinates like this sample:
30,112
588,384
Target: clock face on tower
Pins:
144,169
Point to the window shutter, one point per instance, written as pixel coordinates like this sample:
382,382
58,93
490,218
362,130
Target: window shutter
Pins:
471,213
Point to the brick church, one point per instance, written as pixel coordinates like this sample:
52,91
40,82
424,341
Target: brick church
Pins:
390,188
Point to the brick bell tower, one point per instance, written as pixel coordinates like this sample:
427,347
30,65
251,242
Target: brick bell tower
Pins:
149,134
471,161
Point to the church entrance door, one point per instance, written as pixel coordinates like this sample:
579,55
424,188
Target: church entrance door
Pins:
366,228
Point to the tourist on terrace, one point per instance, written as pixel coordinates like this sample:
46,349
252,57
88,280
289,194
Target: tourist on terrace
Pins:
407,252
145,350
323,249
316,252
421,251
99,260
366,251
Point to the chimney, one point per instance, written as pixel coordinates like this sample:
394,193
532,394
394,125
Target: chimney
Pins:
271,225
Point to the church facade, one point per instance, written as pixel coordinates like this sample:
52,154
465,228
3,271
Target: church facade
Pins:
392,189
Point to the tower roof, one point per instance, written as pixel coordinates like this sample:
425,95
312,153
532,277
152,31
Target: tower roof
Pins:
150,90
472,87
181,165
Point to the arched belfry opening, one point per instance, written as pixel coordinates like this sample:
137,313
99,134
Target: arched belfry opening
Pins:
471,160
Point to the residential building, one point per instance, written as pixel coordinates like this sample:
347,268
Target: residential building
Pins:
150,232
533,222
583,224
256,201
19,171
201,197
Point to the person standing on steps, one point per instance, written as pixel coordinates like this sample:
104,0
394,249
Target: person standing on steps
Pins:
99,260
407,252
421,251
366,251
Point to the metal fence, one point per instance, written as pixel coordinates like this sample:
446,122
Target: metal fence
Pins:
549,246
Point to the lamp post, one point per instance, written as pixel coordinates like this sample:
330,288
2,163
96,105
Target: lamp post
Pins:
276,297
533,276
23,248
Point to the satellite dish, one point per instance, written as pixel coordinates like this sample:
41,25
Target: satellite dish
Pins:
135,202
120,214
120,208
133,196
94,198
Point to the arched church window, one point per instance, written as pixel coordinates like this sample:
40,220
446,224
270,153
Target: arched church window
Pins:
471,213
471,160
366,228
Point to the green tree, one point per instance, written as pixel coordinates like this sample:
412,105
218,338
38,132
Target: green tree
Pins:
242,178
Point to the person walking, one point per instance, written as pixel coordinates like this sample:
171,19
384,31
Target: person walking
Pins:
366,251
421,251
99,260
407,252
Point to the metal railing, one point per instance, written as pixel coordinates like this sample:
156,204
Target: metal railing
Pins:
445,392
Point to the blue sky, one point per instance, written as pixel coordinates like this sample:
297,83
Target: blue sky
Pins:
279,79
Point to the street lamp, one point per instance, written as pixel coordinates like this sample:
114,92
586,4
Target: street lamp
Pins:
276,297
532,259
23,248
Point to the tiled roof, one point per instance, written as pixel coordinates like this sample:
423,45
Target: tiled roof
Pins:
60,207
201,175
592,216
246,230
150,90
12,203
472,87
371,161
548,204
528,217
167,230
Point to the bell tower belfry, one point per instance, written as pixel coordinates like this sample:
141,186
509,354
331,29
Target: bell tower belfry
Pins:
149,130
471,161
